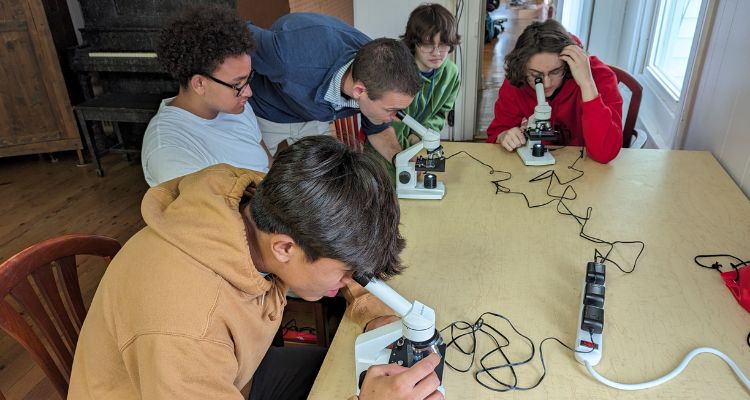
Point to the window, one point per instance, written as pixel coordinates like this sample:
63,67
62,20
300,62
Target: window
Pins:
659,42
673,39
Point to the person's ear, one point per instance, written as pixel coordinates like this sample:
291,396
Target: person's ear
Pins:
198,84
358,90
283,247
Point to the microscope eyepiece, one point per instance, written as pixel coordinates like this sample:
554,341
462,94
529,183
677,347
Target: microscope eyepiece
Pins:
362,280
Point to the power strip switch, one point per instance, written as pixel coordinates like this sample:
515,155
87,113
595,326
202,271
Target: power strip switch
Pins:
591,316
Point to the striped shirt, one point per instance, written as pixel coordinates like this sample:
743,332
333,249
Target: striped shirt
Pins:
333,95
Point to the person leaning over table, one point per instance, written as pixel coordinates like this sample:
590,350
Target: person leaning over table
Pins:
313,69
580,88
431,34
207,50
188,308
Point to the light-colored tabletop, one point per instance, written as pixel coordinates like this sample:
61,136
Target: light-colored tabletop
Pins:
477,251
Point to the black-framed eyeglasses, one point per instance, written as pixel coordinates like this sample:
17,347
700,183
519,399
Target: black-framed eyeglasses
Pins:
556,73
236,88
429,48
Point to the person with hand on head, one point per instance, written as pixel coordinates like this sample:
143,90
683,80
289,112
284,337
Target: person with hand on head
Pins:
207,50
581,90
431,35
313,69
190,305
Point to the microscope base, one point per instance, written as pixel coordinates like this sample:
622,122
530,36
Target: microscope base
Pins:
529,159
419,192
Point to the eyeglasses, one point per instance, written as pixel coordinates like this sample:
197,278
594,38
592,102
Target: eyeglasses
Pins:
430,48
236,88
554,74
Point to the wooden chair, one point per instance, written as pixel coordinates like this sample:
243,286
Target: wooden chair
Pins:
42,282
347,131
631,137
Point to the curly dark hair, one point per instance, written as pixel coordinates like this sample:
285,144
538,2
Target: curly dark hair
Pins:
335,203
385,65
200,39
428,20
539,37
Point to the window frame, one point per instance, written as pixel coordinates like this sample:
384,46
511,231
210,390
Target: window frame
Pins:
657,28
662,107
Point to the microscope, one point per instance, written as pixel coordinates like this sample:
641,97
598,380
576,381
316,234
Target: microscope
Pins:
414,337
407,185
538,129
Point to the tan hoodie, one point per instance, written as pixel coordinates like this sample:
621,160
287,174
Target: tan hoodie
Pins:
181,312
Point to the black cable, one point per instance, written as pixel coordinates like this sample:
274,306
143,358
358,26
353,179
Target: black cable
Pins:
568,194
562,208
292,325
486,375
717,265
492,169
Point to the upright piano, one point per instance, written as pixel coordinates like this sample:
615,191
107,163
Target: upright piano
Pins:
118,71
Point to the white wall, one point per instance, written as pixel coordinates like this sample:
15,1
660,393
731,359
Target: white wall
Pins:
720,118
575,16
387,18
610,16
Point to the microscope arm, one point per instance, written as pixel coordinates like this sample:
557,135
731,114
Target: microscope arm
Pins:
404,156
418,320
430,138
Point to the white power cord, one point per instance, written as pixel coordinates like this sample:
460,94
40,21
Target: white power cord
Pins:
669,376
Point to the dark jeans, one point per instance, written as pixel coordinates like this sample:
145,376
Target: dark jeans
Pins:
287,373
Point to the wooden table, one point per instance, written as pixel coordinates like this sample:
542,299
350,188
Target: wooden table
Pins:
477,251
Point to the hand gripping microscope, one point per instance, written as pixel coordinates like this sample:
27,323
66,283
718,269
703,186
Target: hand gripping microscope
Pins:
414,337
407,185
538,129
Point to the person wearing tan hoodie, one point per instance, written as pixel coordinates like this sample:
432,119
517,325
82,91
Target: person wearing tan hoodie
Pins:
190,305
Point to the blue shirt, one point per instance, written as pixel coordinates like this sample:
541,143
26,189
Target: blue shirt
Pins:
295,61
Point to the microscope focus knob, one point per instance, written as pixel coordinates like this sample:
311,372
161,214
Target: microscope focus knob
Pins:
404,177
537,150
430,181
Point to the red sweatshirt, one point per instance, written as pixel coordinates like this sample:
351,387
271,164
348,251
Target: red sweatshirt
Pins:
596,123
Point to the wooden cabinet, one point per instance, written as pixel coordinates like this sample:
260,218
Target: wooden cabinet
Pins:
35,112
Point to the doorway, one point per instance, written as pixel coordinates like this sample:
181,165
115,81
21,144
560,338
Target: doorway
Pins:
509,18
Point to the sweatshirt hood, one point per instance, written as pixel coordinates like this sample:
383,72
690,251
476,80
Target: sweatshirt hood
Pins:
199,214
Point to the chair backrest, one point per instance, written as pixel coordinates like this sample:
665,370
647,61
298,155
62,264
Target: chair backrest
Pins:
636,91
42,282
347,131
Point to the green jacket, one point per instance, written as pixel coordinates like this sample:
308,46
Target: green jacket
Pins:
430,106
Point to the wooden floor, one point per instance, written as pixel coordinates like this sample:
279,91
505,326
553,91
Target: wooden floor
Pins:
493,72
40,199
